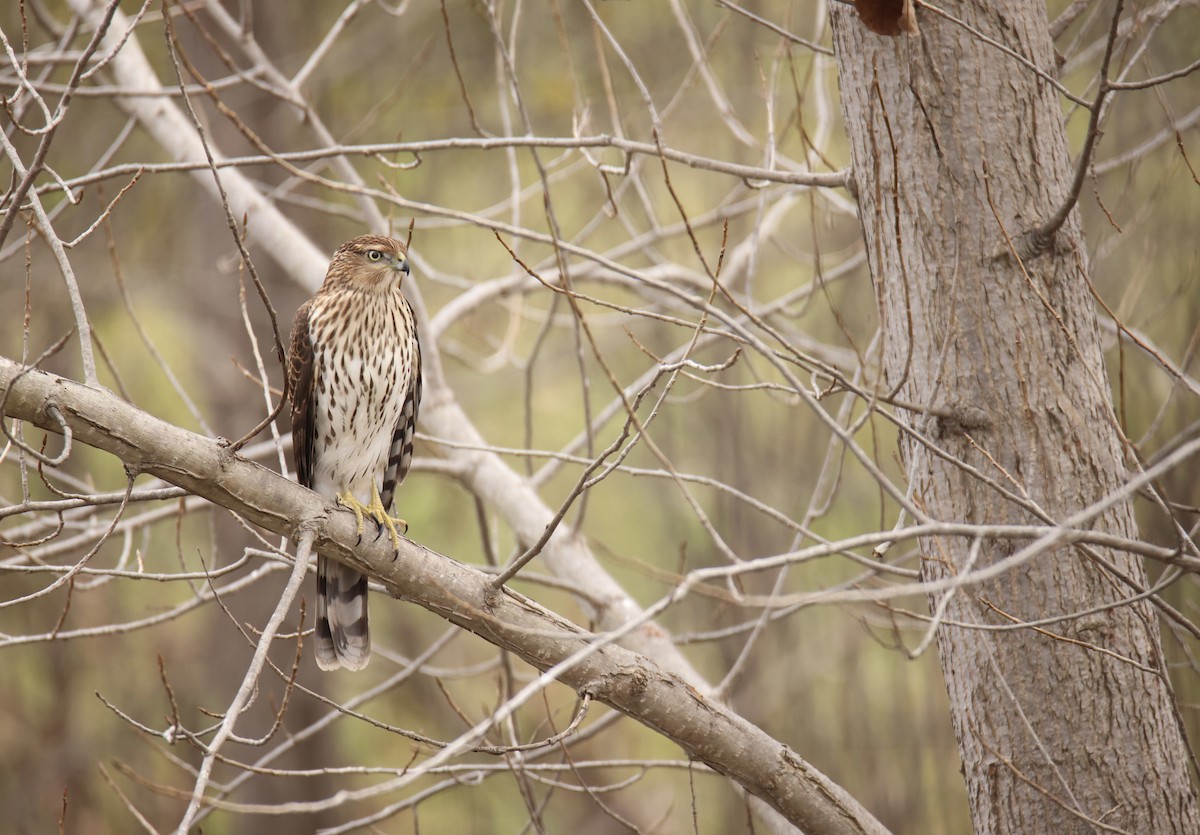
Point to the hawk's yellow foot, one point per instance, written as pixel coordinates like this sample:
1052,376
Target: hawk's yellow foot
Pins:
376,511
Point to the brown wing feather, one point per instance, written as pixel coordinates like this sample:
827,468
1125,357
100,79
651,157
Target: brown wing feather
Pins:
401,450
400,454
304,401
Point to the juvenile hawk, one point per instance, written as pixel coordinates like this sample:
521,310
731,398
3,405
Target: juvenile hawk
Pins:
354,377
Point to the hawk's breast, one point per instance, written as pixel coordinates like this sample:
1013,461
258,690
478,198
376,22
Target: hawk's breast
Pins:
362,359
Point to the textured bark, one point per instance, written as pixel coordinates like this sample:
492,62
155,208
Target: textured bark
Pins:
957,147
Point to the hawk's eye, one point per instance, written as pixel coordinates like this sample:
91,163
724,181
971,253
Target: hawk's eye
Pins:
374,255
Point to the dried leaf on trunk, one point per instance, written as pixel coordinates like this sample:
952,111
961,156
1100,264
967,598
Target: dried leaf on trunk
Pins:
888,17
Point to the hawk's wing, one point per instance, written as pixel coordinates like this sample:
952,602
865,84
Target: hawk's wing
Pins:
301,374
401,450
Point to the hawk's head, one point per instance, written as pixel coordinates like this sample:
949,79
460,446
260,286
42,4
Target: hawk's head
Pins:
368,262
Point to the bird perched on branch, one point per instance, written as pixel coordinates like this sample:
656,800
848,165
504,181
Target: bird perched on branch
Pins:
354,378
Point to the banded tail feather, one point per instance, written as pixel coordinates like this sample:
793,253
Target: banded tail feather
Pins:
343,634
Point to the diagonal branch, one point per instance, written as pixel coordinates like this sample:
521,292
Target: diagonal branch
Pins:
594,664
250,680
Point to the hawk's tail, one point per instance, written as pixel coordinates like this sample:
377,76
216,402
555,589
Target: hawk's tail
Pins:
343,635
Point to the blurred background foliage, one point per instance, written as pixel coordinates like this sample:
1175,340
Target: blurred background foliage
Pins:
161,275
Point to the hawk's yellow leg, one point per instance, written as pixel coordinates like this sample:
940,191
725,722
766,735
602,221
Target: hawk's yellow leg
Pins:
376,511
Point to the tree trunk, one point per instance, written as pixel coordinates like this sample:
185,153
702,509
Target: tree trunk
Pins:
958,148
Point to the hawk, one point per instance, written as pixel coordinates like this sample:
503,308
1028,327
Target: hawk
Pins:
354,378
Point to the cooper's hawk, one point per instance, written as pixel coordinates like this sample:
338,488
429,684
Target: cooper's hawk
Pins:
354,376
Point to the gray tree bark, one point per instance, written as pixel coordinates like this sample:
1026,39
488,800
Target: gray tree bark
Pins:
958,149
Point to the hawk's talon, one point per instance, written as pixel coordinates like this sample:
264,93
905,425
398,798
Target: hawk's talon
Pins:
380,527
378,513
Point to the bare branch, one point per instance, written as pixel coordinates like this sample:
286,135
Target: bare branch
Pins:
590,664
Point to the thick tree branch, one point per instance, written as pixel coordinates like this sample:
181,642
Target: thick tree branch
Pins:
625,680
